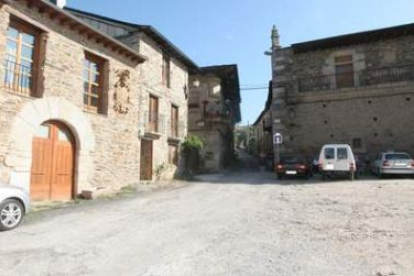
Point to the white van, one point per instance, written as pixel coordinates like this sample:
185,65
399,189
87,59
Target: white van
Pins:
337,159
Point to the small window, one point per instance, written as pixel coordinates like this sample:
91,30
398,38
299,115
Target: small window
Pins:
94,77
342,153
166,70
153,116
43,131
329,153
174,121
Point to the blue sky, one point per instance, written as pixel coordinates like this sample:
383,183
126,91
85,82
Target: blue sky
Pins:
213,32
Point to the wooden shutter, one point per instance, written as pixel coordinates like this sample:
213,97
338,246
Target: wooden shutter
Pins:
39,65
104,96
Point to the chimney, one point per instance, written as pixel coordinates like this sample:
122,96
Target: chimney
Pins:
275,38
60,3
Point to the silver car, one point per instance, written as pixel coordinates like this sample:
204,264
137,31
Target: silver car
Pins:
393,163
14,205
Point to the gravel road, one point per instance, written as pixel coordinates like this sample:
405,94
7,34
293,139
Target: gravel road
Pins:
239,224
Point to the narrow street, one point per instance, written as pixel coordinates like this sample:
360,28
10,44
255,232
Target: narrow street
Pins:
237,224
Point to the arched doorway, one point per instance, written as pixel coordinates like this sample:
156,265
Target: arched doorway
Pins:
53,162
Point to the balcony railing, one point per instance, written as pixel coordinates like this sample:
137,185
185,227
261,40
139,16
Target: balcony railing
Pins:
18,78
153,122
357,79
177,130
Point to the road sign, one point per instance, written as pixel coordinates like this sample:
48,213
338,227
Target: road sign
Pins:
278,138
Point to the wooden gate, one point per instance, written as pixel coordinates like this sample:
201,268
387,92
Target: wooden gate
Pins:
146,160
53,163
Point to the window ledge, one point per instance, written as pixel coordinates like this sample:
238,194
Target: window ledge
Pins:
95,113
174,140
152,135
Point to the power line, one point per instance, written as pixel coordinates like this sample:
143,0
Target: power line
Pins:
255,88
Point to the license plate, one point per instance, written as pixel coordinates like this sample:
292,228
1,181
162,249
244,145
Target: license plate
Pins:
291,172
329,167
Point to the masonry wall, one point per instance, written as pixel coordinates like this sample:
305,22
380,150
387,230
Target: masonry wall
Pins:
372,118
114,160
175,95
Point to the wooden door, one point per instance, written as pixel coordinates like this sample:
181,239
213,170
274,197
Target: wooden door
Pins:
52,175
146,160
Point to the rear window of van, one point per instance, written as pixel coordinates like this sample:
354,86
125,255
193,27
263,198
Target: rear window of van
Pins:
329,153
342,153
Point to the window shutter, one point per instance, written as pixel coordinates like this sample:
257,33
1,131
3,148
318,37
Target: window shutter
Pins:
40,59
104,97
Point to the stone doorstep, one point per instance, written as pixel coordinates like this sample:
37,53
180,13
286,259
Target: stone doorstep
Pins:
96,192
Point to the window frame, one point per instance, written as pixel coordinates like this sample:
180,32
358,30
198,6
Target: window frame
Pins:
35,71
100,75
346,78
166,70
153,113
175,115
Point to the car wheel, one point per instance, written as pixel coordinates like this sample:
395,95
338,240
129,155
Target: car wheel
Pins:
11,214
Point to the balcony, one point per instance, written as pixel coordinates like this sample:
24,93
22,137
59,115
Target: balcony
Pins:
217,117
362,78
153,124
177,132
18,78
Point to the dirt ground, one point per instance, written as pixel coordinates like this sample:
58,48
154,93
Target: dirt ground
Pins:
237,224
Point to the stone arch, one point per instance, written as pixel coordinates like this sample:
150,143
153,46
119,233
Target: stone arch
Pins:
31,116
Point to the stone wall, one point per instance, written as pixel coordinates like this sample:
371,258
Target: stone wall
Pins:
210,126
108,145
175,95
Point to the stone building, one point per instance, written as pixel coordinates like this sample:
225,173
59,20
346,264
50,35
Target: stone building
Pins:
356,89
164,92
69,103
214,109
87,102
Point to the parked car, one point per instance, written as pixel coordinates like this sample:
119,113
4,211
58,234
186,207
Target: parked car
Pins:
393,163
337,159
293,165
14,205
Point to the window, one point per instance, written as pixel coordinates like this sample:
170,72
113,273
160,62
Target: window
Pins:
174,121
397,156
329,153
342,153
344,71
166,70
23,56
94,80
153,114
